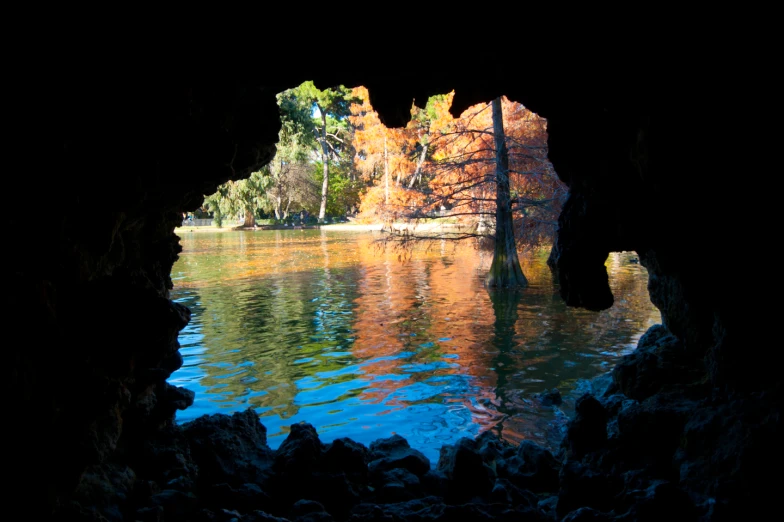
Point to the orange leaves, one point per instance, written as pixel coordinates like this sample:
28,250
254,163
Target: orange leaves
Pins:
399,203
441,160
466,151
382,151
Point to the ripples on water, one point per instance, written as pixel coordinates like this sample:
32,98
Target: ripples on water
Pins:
323,327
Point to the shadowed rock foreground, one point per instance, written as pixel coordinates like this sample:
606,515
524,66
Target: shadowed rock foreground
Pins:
630,456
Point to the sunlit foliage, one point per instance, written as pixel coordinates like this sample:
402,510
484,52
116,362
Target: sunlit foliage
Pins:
440,166
328,125
335,157
241,200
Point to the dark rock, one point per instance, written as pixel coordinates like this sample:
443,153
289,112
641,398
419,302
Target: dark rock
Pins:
163,456
393,492
467,474
394,452
583,486
660,360
650,432
725,453
534,468
548,506
244,498
181,483
298,455
261,516
309,511
551,398
178,397
434,483
230,448
371,513
223,515
588,430
106,489
333,489
657,502
586,514
417,509
348,456
506,492
406,479
150,514
494,449
176,504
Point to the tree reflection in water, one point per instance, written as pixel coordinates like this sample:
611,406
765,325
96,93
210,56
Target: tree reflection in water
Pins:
319,326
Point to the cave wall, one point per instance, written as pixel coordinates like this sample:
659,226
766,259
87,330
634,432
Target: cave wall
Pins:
112,156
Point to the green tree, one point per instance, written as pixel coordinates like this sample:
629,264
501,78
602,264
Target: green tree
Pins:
329,125
242,198
291,188
345,189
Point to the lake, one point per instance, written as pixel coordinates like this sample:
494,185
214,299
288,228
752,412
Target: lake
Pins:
363,342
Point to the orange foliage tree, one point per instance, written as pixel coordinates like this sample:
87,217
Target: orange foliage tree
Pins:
450,168
390,161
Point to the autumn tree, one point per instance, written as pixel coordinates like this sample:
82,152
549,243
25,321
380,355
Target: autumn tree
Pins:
424,123
469,173
389,160
505,270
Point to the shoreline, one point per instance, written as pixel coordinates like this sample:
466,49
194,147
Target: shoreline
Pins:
239,228
356,227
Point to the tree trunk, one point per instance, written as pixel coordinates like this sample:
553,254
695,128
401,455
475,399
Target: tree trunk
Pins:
505,306
325,162
250,219
505,270
418,171
386,174
278,207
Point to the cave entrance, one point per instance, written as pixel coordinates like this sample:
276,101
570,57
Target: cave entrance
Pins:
317,318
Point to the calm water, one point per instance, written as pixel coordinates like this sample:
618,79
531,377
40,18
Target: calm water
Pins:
324,327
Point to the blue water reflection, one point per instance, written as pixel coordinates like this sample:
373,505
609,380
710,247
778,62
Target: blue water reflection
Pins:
322,327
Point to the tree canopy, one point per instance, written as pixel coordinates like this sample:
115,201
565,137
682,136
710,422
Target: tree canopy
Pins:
443,168
335,157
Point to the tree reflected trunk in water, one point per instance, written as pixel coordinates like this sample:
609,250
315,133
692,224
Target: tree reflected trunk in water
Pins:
325,251
505,304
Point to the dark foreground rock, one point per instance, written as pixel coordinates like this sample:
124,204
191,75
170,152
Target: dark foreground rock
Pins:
219,467
648,454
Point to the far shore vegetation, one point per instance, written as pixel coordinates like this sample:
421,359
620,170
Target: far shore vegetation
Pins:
481,176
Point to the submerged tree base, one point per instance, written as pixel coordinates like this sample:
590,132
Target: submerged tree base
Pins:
505,272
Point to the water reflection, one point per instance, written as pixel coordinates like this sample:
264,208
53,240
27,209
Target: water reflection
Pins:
319,326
